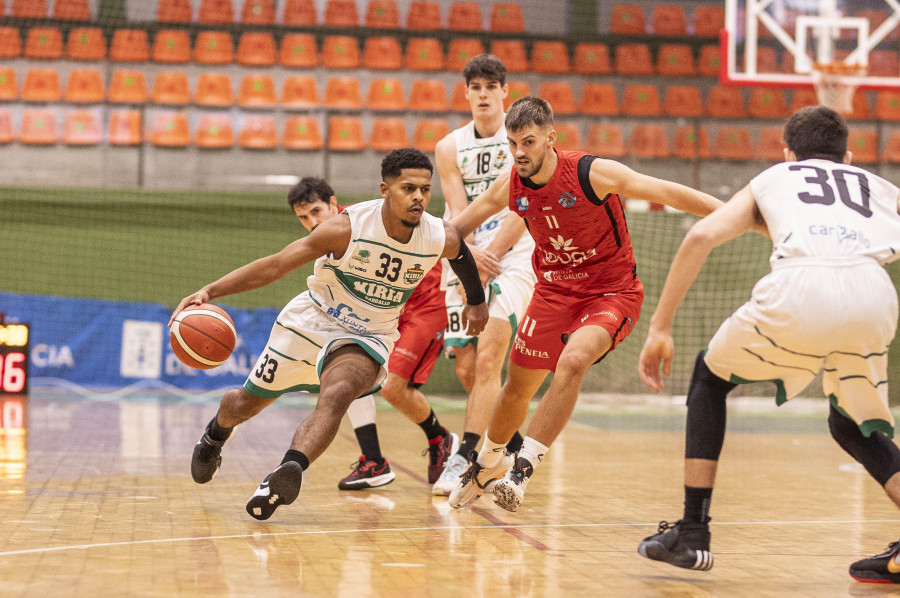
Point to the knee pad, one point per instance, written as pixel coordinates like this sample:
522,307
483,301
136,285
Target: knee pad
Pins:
705,430
877,453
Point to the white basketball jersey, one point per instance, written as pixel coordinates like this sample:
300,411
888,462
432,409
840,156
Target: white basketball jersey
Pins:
366,288
823,209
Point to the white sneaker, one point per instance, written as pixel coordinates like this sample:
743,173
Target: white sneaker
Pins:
475,480
455,467
509,491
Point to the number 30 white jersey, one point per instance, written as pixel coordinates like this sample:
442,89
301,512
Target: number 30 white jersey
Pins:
823,209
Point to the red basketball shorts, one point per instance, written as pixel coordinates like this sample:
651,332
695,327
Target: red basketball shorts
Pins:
421,341
552,316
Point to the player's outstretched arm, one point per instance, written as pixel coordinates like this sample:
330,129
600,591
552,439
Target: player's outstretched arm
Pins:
737,216
332,236
475,313
494,199
609,176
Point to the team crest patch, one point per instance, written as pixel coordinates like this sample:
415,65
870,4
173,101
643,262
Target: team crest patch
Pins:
567,200
522,204
361,256
500,160
414,274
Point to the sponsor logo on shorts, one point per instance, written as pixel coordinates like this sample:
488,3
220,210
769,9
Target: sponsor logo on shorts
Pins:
574,258
521,348
522,204
414,275
567,200
406,353
348,318
557,275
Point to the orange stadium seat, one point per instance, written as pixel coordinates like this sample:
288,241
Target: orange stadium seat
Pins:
649,141
887,105
170,129
86,43
214,89
41,85
592,59
6,126
458,101
257,91
172,46
709,20
507,16
634,59
428,96
382,14
29,9
256,49
171,88
598,98
641,100
341,13
549,57
214,47
258,12
345,134
124,127
884,63
861,109
44,42
39,127
517,89
771,146
428,132
301,133
669,19
424,54
214,131
675,60
72,10
691,144
129,45
423,16
627,19
864,145
683,100
385,94
340,52
388,134
766,60
803,97
733,143
725,102
461,50
300,13
9,89
891,150
298,50
82,127
258,132
512,53
568,136
709,63
84,86
174,11
464,16
127,87
343,92
560,96
299,92
216,11
10,42
767,102
382,54
606,141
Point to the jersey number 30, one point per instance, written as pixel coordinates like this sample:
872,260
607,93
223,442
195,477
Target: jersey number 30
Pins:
820,178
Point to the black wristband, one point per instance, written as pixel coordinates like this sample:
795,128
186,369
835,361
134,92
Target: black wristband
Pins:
467,272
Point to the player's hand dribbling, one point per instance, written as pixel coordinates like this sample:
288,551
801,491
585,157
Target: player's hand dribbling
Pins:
474,318
197,298
659,347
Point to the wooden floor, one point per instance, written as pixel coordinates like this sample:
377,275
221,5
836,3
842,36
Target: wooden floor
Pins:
102,504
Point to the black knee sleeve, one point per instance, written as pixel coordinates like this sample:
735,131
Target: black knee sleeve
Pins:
705,430
877,453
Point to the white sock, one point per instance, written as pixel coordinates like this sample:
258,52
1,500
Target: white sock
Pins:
533,450
491,453
362,411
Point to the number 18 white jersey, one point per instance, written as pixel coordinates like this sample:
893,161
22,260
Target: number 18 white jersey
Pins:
823,209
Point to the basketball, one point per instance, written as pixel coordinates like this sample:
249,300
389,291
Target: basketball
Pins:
202,336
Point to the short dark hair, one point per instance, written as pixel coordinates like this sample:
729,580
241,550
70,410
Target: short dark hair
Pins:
406,157
528,111
487,67
817,132
310,189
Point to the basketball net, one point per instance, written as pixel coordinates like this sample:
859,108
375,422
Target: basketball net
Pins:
835,84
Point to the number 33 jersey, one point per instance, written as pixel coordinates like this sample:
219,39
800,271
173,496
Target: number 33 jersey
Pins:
365,289
823,209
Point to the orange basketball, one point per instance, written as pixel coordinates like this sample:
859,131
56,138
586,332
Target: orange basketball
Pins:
202,336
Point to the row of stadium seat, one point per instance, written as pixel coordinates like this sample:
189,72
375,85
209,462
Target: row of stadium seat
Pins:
217,131
301,92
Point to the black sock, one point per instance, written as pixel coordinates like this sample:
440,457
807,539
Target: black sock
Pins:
217,432
696,504
468,444
432,427
515,443
296,457
367,437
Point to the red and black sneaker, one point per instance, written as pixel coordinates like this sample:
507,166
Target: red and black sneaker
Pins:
439,450
881,568
367,474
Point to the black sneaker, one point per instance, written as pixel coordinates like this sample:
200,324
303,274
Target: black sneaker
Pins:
881,568
207,457
367,474
280,487
683,544
439,451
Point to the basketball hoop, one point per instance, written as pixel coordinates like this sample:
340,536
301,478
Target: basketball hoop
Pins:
835,84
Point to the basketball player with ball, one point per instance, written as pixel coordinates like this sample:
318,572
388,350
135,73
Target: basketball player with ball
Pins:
335,338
